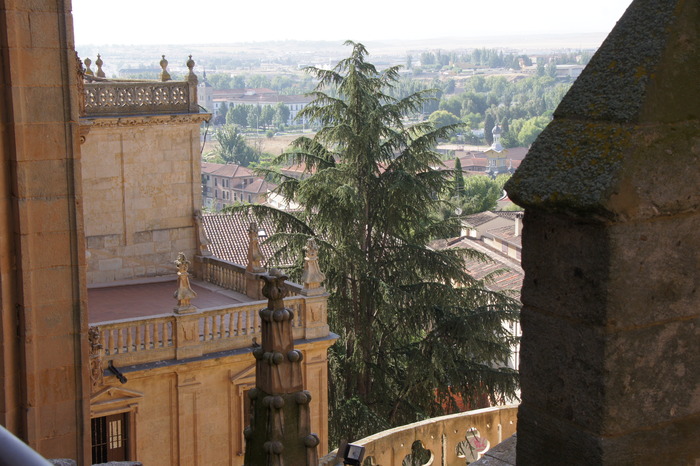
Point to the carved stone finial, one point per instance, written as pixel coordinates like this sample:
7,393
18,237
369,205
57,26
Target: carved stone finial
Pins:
184,292
191,77
312,277
99,63
203,240
255,256
80,81
164,75
88,71
275,290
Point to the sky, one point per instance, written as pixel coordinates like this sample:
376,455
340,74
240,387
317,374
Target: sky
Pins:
227,21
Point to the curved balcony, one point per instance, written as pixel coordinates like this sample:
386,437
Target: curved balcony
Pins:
455,439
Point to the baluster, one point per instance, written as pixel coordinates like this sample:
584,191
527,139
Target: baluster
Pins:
239,322
215,325
255,318
231,328
157,335
120,341
171,337
129,339
138,339
206,328
106,341
147,336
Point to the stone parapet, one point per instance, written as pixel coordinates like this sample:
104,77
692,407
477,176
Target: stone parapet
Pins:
171,336
449,440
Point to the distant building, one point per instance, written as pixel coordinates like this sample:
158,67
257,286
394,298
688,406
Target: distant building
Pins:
213,99
229,184
497,235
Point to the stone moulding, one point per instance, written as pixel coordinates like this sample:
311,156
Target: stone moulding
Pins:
145,120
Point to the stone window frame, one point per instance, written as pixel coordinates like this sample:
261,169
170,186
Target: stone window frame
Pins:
241,382
116,400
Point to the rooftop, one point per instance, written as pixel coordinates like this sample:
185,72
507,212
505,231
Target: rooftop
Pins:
151,298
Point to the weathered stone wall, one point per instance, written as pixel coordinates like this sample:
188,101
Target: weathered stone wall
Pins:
43,383
193,413
611,326
142,185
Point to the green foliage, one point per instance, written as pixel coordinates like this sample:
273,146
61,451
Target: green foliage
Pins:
232,147
472,120
480,194
443,118
281,114
489,123
531,129
458,189
267,115
415,329
237,115
501,180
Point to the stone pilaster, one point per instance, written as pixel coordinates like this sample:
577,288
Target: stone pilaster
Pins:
611,330
43,330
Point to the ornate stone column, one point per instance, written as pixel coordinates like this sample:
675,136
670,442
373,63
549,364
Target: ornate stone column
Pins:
280,426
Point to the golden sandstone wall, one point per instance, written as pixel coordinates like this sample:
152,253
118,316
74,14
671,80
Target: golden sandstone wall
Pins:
142,176
193,413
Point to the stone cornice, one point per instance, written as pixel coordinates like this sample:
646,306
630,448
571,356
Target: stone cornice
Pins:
145,120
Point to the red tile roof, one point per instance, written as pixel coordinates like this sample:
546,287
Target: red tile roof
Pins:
228,234
502,273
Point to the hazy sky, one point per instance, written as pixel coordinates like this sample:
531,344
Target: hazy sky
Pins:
227,21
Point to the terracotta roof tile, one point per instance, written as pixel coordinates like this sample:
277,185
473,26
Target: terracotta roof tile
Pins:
474,220
504,273
228,234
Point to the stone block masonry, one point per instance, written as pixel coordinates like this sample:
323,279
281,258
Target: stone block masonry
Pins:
611,331
142,184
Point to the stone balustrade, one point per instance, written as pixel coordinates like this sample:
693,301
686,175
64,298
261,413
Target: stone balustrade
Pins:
172,336
106,97
229,275
455,439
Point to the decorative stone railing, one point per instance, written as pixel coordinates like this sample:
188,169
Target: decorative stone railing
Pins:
447,440
229,275
106,97
172,336
222,273
116,98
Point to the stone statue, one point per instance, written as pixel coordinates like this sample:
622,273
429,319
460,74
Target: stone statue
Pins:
184,292
255,256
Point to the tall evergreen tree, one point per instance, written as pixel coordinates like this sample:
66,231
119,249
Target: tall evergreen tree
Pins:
489,123
458,179
417,333
233,148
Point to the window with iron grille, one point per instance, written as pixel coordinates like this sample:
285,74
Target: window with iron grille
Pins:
110,438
